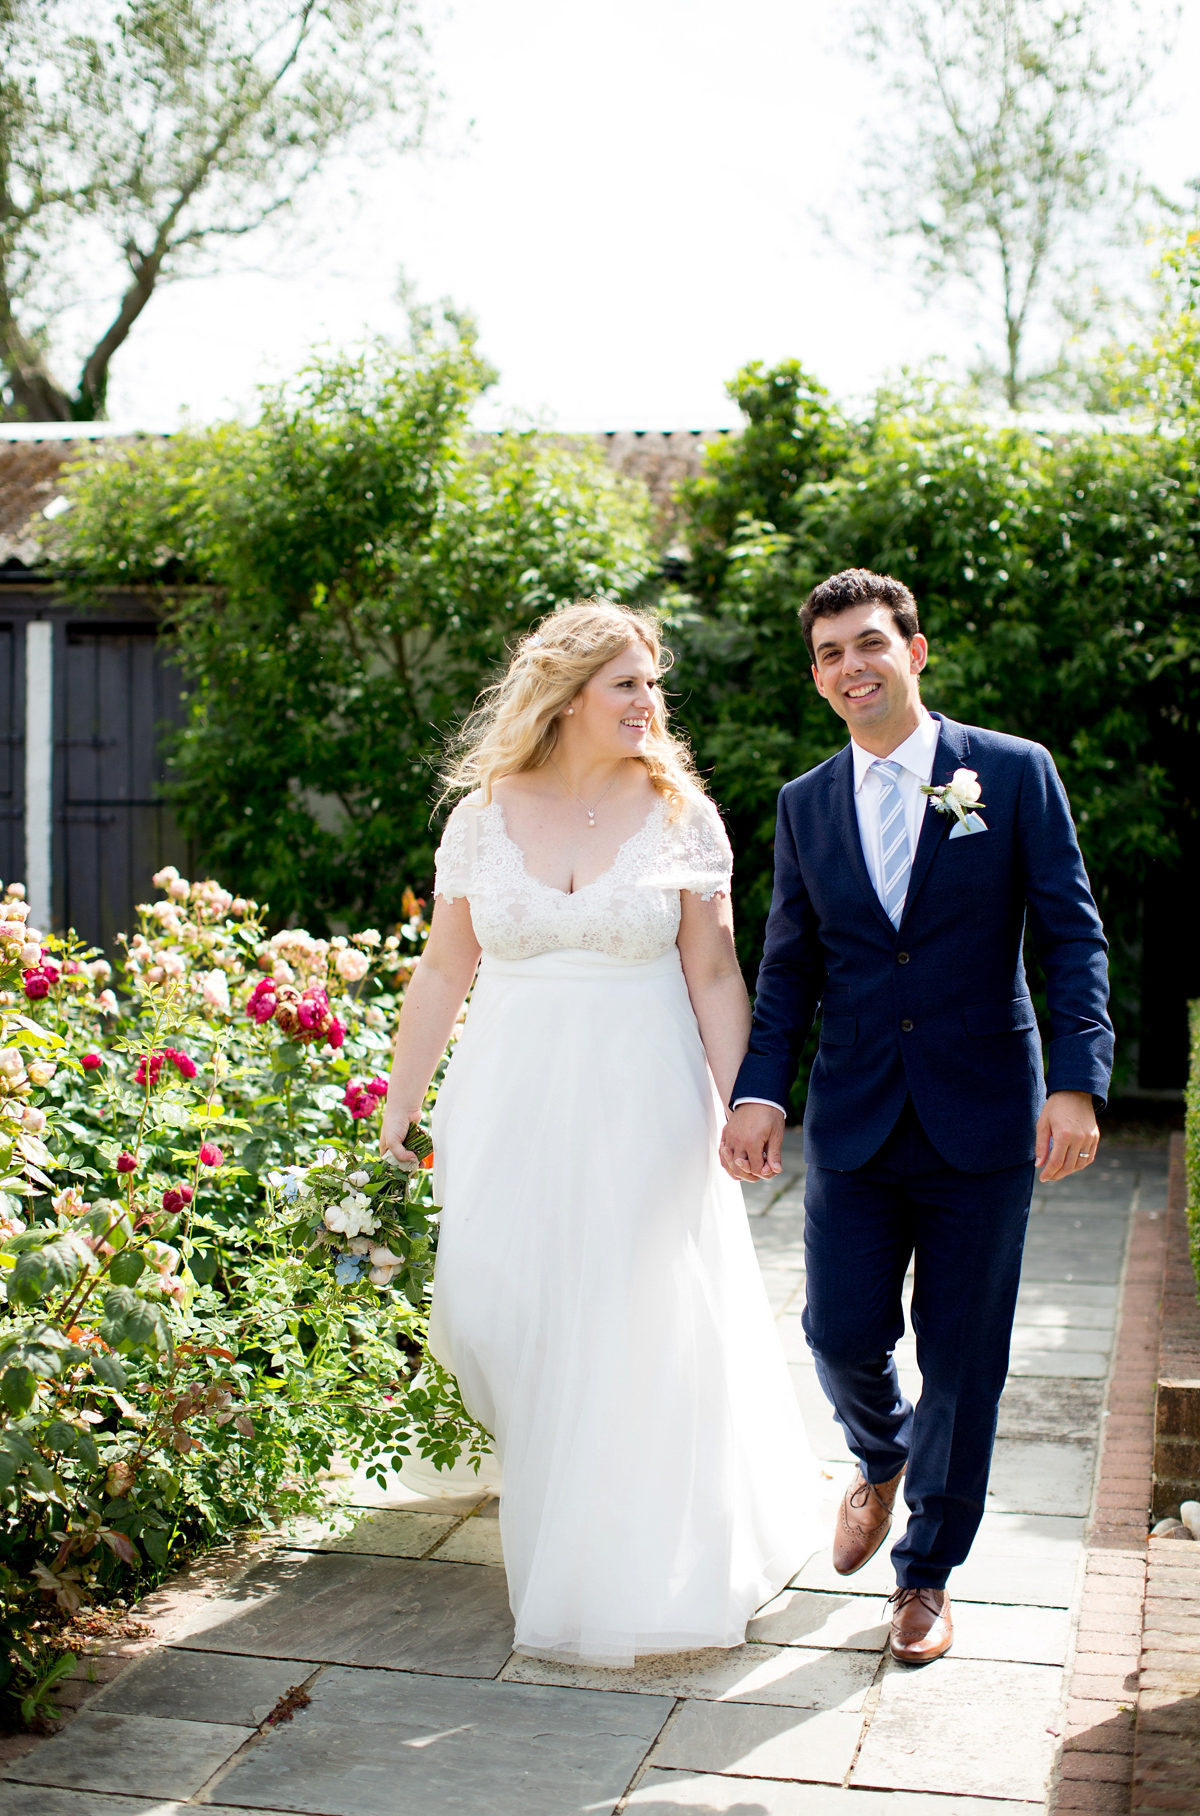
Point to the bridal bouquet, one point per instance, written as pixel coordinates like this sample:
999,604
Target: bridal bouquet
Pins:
371,1218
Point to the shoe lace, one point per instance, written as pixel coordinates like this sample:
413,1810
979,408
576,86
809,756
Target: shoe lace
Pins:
902,1597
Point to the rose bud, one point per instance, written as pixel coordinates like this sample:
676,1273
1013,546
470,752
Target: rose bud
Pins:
186,1193
41,1071
173,1201
126,1163
378,1087
336,1034
91,1062
31,955
34,1120
211,1155
37,985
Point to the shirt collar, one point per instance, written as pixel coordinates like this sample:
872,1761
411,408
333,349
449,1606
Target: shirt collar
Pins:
916,754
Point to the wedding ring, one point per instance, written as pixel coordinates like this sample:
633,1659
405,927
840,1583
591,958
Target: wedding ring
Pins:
1084,1156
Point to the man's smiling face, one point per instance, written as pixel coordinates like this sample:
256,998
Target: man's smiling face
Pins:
867,671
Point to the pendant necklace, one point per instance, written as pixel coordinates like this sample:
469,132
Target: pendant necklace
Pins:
590,811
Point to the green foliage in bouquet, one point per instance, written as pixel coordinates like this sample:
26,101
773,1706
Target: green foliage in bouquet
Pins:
188,1340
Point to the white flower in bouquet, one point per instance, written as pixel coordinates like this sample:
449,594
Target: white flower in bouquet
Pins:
359,1179
352,1217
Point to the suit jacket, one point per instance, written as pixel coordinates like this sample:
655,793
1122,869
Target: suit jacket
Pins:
940,1009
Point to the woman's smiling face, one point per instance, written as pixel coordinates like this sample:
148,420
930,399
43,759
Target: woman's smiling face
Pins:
613,711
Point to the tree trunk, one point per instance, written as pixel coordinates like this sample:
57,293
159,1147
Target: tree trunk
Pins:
36,394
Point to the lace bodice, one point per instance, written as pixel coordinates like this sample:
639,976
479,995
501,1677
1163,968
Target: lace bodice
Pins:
631,912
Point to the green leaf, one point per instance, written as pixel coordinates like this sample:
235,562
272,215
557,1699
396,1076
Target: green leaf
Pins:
157,1545
60,1436
132,1323
203,1265
17,1388
127,1268
44,1271
108,1371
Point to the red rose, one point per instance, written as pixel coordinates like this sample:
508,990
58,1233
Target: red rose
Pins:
184,1065
378,1087
126,1163
37,985
336,1034
173,1201
186,1193
91,1062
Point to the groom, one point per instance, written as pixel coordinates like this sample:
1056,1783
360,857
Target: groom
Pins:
927,1106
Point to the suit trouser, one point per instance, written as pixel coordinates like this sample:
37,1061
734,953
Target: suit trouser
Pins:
966,1233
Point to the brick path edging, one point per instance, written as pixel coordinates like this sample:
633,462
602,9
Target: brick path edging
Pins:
1166,1764
1096,1763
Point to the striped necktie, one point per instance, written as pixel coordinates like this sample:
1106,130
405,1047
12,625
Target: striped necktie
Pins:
897,859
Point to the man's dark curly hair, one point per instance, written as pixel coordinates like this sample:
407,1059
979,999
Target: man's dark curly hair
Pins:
859,586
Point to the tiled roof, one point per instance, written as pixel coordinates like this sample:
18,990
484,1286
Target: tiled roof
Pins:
32,456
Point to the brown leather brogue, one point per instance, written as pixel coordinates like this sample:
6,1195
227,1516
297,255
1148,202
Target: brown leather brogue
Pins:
864,1521
922,1626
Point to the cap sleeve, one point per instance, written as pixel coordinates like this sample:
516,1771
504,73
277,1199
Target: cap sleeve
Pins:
454,860
705,859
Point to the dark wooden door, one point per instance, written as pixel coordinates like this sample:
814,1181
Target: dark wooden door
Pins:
12,752
117,693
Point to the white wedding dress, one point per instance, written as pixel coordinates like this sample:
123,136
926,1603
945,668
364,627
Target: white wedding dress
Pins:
597,1293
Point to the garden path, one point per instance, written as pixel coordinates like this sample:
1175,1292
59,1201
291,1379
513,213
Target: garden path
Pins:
412,1704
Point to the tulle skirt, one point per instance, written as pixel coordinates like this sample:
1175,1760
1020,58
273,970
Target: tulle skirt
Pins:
598,1298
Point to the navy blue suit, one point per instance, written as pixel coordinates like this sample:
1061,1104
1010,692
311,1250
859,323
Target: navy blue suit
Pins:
920,1124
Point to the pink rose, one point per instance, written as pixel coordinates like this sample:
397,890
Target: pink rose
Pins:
211,1155
126,1163
378,1087
336,1034
37,985
91,1062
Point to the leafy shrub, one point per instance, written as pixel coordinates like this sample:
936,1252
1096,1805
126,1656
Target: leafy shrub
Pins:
341,579
186,1342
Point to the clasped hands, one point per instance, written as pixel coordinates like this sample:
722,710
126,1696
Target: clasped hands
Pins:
1066,1142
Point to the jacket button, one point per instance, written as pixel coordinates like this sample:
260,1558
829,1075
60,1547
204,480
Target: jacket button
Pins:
906,1027
902,958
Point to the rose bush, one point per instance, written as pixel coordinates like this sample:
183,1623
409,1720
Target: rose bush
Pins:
212,1286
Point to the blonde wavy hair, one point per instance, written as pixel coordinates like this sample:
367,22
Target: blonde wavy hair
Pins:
514,725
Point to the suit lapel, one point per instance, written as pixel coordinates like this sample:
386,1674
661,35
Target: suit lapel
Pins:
845,817
953,747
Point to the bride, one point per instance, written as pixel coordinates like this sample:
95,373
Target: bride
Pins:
597,1294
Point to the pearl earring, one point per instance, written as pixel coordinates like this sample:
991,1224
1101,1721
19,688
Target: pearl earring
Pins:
568,712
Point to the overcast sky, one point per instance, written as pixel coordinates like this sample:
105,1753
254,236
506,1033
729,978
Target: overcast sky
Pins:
625,194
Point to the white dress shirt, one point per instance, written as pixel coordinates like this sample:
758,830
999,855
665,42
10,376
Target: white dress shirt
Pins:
915,757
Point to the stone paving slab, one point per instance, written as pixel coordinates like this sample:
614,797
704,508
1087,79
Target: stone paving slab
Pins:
202,1686
1022,1559
756,1742
476,1541
964,1726
15,1800
386,1533
805,1617
1032,1477
661,1793
374,1745
351,1610
787,1676
135,1755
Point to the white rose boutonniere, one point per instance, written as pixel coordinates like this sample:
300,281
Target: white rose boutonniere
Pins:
958,796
